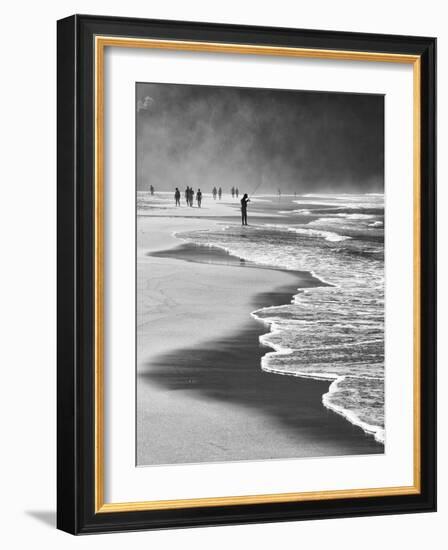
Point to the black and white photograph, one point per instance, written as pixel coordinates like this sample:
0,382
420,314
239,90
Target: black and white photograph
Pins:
220,303
259,274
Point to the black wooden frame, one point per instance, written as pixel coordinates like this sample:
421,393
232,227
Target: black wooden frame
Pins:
75,172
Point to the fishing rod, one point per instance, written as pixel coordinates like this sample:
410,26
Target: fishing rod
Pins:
258,185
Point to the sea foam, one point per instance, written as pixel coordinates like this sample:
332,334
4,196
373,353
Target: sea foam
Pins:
332,332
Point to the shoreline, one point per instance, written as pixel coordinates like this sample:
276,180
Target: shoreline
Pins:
195,397
220,406
174,310
213,254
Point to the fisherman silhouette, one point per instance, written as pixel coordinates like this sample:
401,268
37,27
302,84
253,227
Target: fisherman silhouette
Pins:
191,196
236,192
187,195
214,192
219,193
233,192
199,198
244,202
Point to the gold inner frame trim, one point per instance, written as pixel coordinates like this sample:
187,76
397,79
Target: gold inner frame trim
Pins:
101,42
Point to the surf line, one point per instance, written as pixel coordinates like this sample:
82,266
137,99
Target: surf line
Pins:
377,431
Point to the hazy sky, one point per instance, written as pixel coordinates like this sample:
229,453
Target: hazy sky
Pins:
208,136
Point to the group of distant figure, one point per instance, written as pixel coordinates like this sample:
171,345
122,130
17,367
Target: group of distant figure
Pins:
217,192
190,196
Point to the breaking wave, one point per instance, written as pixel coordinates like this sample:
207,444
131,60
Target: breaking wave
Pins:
334,331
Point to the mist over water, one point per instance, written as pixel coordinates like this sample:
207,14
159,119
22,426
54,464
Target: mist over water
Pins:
206,136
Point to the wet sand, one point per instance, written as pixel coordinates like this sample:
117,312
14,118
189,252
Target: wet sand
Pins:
191,252
201,393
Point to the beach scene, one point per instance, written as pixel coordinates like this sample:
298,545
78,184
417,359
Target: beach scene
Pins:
259,275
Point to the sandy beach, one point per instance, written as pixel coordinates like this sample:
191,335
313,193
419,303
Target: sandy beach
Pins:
201,393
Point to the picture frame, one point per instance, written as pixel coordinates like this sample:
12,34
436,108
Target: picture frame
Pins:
82,42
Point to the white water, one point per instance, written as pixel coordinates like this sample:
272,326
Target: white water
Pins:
329,332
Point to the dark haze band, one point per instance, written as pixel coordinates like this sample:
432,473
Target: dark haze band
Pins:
302,141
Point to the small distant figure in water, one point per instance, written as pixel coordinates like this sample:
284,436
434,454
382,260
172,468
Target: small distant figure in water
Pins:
279,194
295,194
177,196
244,202
191,196
199,198
151,190
187,195
214,192
219,193
236,192
233,192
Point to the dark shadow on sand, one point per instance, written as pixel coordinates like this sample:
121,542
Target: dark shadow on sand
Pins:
229,370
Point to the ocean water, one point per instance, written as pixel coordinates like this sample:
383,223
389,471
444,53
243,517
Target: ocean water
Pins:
334,331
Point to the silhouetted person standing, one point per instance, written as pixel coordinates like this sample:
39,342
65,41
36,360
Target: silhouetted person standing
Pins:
187,195
214,192
191,196
199,198
151,190
236,192
177,196
219,193
244,202
233,192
